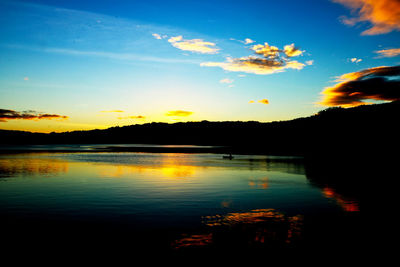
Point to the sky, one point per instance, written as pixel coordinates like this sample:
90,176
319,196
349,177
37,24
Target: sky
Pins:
78,65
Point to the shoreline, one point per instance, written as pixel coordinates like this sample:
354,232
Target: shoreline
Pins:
151,148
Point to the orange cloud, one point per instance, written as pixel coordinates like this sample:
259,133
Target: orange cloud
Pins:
388,52
384,15
180,113
352,89
194,45
7,114
263,101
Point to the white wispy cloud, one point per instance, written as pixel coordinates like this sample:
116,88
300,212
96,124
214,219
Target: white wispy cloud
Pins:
193,45
226,80
157,36
110,55
355,60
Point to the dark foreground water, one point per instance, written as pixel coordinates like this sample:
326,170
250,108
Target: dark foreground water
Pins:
174,203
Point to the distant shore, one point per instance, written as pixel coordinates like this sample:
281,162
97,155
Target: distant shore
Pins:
134,149
365,132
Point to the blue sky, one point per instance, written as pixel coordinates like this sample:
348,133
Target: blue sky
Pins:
108,63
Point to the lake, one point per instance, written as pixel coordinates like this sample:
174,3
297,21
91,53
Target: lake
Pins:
172,202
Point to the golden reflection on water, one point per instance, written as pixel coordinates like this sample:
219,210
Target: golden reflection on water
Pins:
259,183
347,204
255,227
167,171
31,166
171,165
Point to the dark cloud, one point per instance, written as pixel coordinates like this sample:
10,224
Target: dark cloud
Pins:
7,114
353,89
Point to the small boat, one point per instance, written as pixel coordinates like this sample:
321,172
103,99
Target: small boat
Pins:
227,157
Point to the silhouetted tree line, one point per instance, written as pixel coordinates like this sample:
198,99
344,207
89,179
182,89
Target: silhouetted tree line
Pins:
343,130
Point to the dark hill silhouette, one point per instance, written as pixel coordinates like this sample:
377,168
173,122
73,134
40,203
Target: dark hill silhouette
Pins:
333,130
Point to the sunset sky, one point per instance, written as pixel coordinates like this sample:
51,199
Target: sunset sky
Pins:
79,64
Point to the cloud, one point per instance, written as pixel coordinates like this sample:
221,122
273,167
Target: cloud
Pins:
194,45
274,52
310,62
266,50
111,111
132,117
268,60
355,60
352,89
101,54
263,101
7,114
292,51
255,65
388,52
226,80
382,14
157,36
26,78
180,113
245,41
248,41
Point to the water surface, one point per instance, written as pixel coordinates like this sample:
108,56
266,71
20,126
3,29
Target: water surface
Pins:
170,201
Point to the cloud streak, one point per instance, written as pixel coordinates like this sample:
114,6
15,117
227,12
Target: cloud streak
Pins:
226,80
394,52
268,60
179,113
101,54
353,89
112,111
7,114
133,117
262,101
384,15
